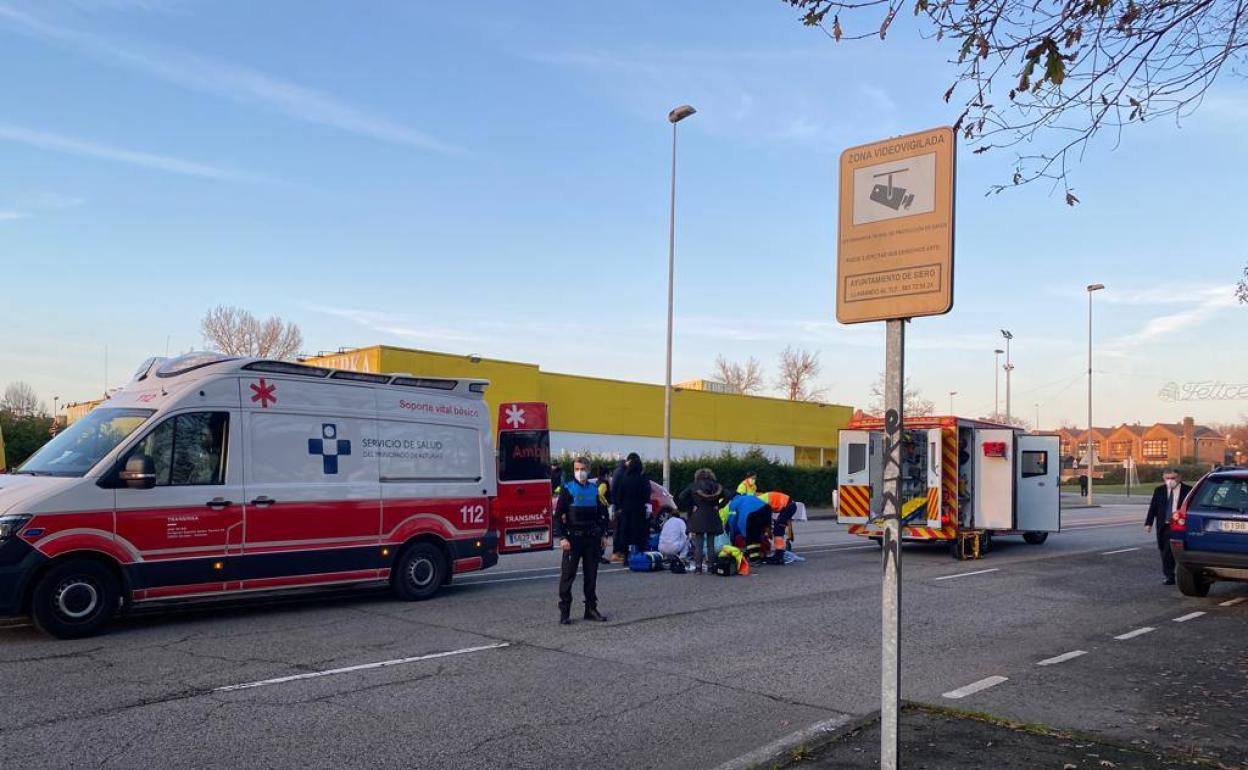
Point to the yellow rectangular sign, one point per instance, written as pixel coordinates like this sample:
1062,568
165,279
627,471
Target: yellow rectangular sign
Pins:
894,256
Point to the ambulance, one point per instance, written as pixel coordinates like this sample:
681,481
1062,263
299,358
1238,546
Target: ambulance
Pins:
962,482
211,475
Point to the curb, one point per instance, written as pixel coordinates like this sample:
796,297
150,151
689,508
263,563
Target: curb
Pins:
779,752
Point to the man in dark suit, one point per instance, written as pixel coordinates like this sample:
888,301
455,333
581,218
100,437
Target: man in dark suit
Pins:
1166,500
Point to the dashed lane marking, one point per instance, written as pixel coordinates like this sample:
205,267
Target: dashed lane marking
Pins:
1120,550
974,687
361,667
1187,617
1135,633
1065,656
968,574
1233,602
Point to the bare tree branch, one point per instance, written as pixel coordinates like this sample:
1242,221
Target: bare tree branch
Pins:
237,332
20,399
744,378
914,406
798,370
1049,75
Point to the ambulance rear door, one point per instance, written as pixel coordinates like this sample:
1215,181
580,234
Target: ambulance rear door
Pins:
935,469
522,512
994,478
853,476
1038,495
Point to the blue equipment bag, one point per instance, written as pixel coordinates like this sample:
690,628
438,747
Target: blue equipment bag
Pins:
650,561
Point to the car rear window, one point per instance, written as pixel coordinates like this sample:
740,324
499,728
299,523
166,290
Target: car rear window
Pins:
1224,494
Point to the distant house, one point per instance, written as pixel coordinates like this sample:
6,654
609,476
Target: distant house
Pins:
76,410
1162,443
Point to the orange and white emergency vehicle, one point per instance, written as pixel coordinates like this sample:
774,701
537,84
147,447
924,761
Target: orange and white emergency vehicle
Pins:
210,475
962,482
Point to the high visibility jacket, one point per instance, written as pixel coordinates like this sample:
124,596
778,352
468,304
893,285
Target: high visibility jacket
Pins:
777,500
747,487
739,509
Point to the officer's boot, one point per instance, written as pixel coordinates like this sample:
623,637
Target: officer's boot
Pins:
592,613
564,619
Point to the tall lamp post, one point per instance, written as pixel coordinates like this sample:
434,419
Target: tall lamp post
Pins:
673,117
952,393
1092,287
1009,367
996,384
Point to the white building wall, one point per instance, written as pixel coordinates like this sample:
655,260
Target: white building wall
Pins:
651,448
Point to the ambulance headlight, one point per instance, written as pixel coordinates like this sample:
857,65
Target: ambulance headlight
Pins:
10,525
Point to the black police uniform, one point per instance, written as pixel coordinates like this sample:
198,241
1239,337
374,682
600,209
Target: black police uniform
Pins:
582,519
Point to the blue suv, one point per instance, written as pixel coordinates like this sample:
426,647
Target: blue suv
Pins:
1209,533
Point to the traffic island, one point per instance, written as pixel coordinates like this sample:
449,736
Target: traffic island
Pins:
934,738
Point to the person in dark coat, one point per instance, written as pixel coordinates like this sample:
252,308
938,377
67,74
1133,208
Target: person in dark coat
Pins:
619,549
1166,500
631,496
702,500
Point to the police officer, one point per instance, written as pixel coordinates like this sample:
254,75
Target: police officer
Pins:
581,526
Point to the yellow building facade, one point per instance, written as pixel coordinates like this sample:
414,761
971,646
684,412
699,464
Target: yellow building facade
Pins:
601,416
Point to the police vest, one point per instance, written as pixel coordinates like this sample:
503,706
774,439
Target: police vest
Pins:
583,512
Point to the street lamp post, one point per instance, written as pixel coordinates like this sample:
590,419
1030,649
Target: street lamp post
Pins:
952,393
1009,367
996,384
1092,287
673,117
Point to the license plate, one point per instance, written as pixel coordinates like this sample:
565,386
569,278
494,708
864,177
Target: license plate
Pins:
1232,526
527,538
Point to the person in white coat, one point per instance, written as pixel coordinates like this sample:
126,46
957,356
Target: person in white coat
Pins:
674,538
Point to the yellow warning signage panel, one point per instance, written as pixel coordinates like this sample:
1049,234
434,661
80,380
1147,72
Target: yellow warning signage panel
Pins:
894,256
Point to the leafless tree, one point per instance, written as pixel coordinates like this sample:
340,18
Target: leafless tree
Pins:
740,378
798,370
21,400
914,404
1241,288
1042,77
237,332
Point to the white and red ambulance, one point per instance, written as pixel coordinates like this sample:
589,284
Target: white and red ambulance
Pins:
210,475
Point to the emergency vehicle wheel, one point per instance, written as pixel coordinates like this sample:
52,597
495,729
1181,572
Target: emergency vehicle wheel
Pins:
420,572
1035,538
74,599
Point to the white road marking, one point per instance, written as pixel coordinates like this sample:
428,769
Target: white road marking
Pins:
1065,656
968,574
1233,602
361,667
1120,550
531,577
974,687
1187,617
766,755
1135,633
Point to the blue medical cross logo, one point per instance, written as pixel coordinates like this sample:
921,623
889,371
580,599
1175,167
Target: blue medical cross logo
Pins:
329,447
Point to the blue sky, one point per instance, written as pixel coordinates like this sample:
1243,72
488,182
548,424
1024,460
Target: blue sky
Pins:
492,179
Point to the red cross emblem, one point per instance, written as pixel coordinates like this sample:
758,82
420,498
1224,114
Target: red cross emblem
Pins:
264,393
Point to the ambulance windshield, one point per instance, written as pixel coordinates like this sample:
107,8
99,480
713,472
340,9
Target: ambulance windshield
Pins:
79,447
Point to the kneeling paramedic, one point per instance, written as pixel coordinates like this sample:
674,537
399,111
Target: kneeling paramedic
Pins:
580,525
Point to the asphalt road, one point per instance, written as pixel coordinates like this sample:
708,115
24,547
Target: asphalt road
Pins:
691,671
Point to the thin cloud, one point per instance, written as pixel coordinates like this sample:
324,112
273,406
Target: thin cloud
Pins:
242,84
399,325
11,216
1206,304
73,146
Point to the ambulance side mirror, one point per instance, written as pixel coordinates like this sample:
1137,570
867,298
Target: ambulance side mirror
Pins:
139,472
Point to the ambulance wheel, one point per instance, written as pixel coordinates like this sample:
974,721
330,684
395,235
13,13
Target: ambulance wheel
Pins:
421,571
1035,538
74,599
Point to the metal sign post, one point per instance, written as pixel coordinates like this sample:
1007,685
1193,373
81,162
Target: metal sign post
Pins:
890,633
894,262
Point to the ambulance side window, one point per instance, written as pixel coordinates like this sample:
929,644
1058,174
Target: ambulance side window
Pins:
188,450
1035,463
857,458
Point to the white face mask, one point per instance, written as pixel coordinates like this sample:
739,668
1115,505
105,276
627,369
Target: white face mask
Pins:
1172,483
582,476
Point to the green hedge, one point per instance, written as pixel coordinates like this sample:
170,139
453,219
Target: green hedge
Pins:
808,484
1147,474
